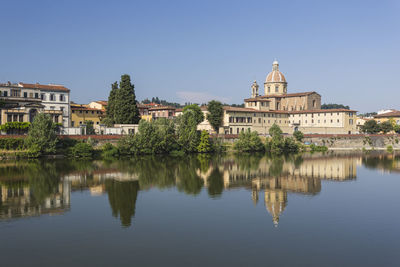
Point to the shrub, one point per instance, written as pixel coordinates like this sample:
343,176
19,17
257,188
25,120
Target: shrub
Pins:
109,151
12,143
389,149
204,145
298,136
42,134
81,150
278,144
155,137
15,127
315,148
248,142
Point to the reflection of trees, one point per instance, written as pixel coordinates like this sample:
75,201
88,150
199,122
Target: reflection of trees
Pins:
215,183
386,162
248,162
187,179
276,166
122,197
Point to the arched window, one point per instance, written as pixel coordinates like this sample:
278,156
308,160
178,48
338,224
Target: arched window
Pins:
276,89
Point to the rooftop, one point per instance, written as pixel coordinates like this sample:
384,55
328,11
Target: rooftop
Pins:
395,113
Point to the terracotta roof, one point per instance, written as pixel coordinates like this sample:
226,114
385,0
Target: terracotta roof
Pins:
162,108
395,113
179,110
322,111
82,107
49,87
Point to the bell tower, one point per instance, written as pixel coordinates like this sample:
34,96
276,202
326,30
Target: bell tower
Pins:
254,89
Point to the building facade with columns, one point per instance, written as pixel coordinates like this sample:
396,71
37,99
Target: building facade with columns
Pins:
22,101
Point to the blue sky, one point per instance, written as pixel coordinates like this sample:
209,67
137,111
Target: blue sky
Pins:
348,51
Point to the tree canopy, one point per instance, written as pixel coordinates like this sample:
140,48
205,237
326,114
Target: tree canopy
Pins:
334,106
42,137
196,110
215,113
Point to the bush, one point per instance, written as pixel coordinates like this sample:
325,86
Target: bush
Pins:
389,149
81,150
298,136
109,151
218,145
248,142
15,127
155,137
278,144
42,135
12,143
315,148
204,146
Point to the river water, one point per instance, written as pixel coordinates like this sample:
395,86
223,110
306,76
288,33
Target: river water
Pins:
334,209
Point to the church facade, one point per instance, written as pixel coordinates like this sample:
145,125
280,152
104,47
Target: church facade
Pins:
290,111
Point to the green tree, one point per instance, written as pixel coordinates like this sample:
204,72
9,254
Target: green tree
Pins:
334,106
42,137
125,109
215,113
110,109
275,130
198,114
298,136
188,136
204,146
248,142
386,127
371,127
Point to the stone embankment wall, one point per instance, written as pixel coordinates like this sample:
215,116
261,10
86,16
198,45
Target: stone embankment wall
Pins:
354,141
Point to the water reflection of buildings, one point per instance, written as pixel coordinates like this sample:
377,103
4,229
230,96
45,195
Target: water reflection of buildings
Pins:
19,200
278,176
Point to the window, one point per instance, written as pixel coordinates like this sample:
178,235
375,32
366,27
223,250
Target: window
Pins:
73,111
338,120
61,97
21,117
331,121
72,123
25,94
312,121
9,118
52,98
16,93
269,89
276,89
31,95
43,96
259,120
92,112
351,121
80,111
80,122
87,112
5,93
36,95
52,107
97,122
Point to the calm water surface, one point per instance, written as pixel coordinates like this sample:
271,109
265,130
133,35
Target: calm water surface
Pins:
310,210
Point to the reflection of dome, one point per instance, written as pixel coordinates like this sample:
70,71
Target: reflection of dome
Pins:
275,203
275,75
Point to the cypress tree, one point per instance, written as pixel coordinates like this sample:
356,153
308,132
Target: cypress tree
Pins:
125,108
110,112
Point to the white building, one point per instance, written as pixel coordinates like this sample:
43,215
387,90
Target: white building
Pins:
55,99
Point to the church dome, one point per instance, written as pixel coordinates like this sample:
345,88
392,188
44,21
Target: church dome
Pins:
275,76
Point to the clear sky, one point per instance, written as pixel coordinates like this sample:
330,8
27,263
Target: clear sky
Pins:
348,51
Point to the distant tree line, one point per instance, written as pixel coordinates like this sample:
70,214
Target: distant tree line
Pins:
334,106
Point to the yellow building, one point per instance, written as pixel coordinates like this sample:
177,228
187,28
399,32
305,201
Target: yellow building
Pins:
82,113
395,115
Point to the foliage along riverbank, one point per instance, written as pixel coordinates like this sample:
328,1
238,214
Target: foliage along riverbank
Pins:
161,136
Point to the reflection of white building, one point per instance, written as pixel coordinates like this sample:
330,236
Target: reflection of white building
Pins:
18,201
